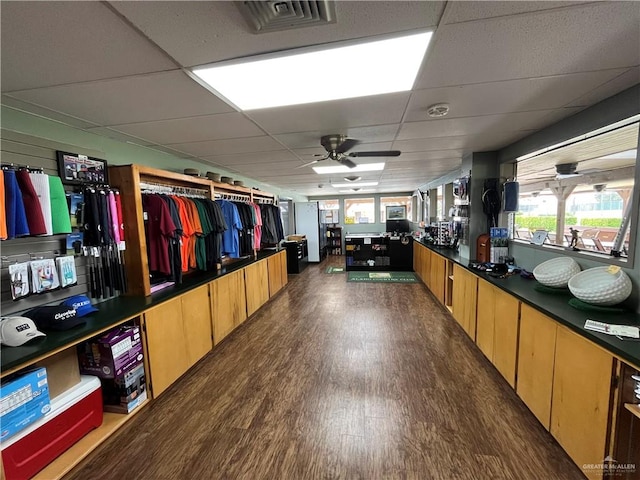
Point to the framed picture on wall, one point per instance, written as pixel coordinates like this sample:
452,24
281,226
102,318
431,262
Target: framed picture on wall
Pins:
77,169
396,212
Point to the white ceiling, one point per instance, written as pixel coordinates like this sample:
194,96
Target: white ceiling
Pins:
506,68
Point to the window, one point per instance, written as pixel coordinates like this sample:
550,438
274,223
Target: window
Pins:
359,210
329,210
394,201
581,202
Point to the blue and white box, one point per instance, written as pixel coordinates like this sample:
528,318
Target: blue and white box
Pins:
23,400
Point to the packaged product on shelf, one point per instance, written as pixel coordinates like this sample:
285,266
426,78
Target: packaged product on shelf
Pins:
25,399
67,271
44,276
19,275
125,392
112,354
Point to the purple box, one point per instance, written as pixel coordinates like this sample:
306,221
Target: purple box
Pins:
113,354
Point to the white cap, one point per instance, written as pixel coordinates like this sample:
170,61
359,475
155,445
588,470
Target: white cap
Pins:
16,331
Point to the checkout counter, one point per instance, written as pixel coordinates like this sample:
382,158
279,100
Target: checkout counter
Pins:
379,252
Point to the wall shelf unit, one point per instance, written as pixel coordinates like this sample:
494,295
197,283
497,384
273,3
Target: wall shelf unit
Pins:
128,178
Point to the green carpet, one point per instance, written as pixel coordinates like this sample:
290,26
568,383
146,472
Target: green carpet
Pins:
382,277
334,270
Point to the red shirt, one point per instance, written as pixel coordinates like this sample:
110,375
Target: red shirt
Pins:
159,228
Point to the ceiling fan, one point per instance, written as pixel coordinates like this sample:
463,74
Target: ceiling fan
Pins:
337,147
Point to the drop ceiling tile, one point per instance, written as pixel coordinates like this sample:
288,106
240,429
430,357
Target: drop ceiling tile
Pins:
446,127
222,32
140,98
71,42
466,143
230,146
626,80
467,11
116,135
193,129
254,158
550,42
509,96
44,112
335,116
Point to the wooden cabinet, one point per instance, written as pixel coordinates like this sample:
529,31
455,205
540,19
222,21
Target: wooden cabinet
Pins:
166,345
582,388
464,298
536,356
417,259
196,319
438,276
485,318
228,304
277,267
256,279
498,317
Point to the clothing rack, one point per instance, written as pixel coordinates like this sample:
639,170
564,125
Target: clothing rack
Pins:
265,201
153,187
12,166
234,197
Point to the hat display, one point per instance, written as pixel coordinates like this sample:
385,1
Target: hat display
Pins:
57,317
81,303
16,331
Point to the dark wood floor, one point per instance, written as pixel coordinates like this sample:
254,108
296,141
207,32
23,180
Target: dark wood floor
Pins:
337,380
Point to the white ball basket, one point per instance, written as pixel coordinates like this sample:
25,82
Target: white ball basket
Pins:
601,286
556,272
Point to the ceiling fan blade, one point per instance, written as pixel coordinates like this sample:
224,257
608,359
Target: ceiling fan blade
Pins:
348,144
347,163
387,153
312,162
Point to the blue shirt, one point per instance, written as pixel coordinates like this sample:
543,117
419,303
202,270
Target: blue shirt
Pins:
230,237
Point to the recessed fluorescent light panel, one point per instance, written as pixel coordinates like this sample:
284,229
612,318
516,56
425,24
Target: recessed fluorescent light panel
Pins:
365,167
357,190
320,74
354,185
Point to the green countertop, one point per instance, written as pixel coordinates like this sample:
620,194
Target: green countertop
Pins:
556,306
113,312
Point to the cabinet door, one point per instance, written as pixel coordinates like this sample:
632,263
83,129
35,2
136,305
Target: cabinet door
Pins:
196,318
275,275
536,353
167,352
283,269
438,275
228,304
505,334
417,257
256,278
580,403
485,318
465,293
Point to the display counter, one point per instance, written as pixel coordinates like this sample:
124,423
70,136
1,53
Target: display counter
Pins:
378,252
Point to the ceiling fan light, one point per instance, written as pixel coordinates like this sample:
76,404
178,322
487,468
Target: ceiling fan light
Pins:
600,187
352,178
350,185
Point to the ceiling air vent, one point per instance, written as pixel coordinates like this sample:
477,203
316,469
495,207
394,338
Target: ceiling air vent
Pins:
270,16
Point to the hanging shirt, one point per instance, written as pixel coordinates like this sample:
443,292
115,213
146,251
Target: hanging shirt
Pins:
3,215
230,238
194,217
40,182
17,225
159,229
187,230
32,206
257,236
60,220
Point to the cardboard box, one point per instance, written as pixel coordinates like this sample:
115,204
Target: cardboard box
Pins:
129,407
112,354
63,371
24,399
126,388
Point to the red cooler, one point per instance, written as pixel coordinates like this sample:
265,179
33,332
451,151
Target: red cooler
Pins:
73,414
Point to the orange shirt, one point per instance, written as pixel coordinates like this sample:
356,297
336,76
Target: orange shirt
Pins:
192,211
187,231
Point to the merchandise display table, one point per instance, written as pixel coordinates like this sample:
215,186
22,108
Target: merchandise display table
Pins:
378,252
